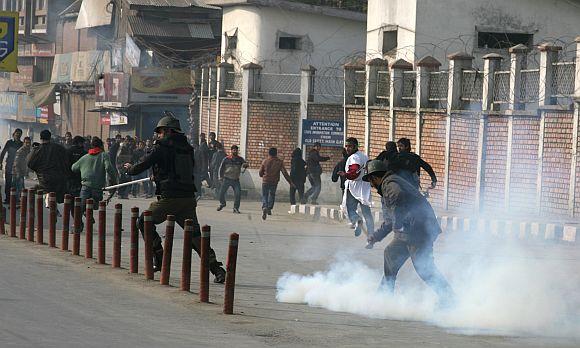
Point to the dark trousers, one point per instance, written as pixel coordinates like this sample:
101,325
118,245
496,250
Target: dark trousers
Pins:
351,207
235,185
314,191
183,209
298,187
421,254
124,191
7,182
18,184
268,196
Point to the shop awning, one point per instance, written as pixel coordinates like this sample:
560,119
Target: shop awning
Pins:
41,93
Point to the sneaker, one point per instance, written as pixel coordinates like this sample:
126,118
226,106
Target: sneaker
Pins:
220,275
358,228
157,260
264,214
236,211
221,207
269,211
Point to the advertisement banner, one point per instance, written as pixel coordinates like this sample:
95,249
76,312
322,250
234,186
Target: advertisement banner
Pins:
157,85
112,90
8,105
132,51
327,133
27,111
80,66
61,69
9,41
43,114
24,75
112,118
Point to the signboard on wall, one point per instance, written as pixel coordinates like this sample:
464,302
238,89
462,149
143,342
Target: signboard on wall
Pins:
112,90
27,111
24,75
44,114
80,66
9,41
113,119
327,133
132,51
157,85
8,105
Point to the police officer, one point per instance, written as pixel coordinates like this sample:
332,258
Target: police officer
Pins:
409,215
172,160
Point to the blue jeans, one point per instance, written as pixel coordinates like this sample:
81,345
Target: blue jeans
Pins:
268,196
351,206
18,184
235,185
313,193
88,192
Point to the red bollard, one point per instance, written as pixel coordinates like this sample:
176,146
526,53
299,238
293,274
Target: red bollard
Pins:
77,227
68,200
39,217
52,220
31,215
167,250
148,229
204,264
134,250
12,212
117,236
186,261
23,210
102,232
231,274
89,230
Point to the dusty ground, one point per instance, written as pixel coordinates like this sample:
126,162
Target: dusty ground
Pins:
51,299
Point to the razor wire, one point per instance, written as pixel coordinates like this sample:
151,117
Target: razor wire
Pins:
438,85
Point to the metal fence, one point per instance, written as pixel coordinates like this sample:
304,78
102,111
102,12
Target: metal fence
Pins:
409,85
530,86
383,86
233,82
472,86
564,79
279,84
501,87
328,88
360,82
438,85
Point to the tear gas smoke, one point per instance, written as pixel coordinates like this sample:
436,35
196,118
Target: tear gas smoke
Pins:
506,289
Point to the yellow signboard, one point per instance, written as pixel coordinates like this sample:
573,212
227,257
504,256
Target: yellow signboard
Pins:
9,41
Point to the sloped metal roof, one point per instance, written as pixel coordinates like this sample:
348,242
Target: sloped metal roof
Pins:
143,27
73,8
172,3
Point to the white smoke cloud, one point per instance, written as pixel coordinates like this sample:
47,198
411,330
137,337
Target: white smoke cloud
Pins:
501,287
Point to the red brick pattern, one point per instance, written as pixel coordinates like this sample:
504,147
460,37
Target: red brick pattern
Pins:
556,163
355,124
463,161
230,122
524,166
327,112
271,125
379,131
495,164
405,125
212,112
577,193
433,152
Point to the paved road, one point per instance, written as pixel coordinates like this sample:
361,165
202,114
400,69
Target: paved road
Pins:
52,299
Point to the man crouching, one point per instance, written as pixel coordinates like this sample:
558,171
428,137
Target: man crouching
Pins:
409,215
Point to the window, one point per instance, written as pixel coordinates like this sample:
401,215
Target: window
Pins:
497,40
289,43
231,42
389,40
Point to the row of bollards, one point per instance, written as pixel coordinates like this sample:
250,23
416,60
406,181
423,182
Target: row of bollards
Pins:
32,215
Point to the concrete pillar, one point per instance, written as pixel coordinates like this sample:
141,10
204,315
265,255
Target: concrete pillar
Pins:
457,63
250,85
306,96
396,93
577,83
518,60
202,94
425,66
548,56
222,71
575,134
491,64
210,94
372,72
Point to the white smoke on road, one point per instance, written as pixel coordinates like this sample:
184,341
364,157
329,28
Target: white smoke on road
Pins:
507,290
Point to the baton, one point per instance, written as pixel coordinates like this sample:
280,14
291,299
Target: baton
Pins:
125,184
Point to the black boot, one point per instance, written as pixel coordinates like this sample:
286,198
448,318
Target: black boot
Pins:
218,272
157,260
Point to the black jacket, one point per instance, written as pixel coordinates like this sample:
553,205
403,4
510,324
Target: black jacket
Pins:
404,207
298,170
172,160
50,163
10,148
339,167
313,162
74,153
413,163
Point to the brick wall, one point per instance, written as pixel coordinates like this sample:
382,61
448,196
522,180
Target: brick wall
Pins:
405,125
327,112
495,165
577,193
556,163
524,166
355,124
379,130
212,112
463,161
433,152
230,122
271,124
